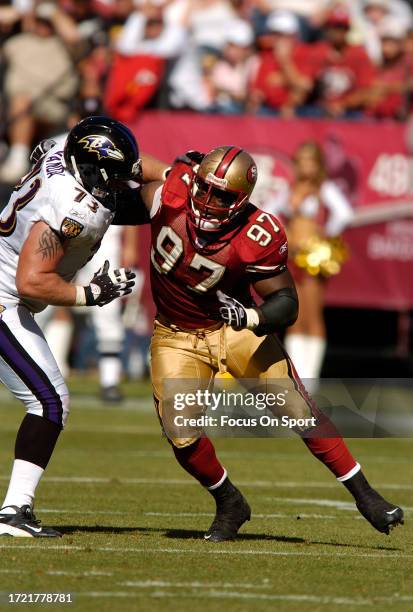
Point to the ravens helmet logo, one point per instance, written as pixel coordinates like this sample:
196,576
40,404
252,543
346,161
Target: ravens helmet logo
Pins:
102,146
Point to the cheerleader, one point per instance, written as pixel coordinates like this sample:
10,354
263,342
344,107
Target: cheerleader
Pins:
315,210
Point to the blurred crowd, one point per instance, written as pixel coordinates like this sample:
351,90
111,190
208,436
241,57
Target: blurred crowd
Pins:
62,60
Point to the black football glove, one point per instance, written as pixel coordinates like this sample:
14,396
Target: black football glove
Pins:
190,158
106,285
235,314
41,149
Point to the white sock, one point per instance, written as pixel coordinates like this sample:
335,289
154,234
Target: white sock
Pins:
307,354
58,335
296,348
315,351
110,369
24,479
19,152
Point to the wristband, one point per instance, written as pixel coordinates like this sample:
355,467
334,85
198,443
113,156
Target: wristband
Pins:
165,173
253,318
80,299
92,293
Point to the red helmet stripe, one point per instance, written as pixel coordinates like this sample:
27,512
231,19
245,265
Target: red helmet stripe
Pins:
228,158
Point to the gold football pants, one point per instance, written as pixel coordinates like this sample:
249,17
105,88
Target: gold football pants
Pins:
198,355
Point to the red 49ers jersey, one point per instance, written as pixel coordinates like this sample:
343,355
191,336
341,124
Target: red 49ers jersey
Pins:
186,273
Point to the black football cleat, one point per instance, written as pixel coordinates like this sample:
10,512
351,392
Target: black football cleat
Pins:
232,512
383,515
111,395
23,524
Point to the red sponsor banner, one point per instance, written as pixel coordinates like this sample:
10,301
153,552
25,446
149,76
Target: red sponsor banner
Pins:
370,161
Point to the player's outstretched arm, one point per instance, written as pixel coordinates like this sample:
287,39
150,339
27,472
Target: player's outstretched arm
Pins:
130,210
37,276
148,194
278,310
134,205
152,169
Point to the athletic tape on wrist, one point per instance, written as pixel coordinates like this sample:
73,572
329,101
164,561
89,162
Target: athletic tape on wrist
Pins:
80,296
253,319
165,173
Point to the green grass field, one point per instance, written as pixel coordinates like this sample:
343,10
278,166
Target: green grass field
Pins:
133,522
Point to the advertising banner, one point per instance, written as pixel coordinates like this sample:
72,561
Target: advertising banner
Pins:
369,160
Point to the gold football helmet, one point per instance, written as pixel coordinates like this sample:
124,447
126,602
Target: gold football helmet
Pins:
221,187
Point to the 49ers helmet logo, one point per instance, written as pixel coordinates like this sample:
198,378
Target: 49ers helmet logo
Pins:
102,146
252,174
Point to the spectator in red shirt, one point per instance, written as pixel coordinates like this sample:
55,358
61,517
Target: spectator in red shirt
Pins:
282,82
343,72
389,96
146,42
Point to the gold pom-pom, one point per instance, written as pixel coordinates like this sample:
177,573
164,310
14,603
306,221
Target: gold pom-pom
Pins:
322,256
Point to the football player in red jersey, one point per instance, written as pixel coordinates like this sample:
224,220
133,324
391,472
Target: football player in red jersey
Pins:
210,246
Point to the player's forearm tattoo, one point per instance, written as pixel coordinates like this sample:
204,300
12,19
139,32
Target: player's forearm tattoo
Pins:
49,244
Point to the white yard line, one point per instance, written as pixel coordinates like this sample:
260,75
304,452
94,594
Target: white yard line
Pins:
329,503
254,515
187,481
299,598
70,511
270,515
144,584
313,501
208,550
91,574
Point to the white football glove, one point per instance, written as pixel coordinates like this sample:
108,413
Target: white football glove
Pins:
235,314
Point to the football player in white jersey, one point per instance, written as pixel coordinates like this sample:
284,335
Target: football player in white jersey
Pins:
52,225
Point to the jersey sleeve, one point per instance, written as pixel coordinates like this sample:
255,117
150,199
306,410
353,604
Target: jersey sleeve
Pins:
130,209
267,252
71,219
178,183
67,224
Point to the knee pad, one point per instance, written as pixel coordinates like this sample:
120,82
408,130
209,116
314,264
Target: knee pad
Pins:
182,442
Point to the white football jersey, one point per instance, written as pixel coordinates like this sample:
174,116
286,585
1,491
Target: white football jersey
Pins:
51,194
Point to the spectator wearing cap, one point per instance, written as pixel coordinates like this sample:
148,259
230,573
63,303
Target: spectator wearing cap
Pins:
90,46
39,84
207,26
282,82
389,97
343,72
309,13
231,75
368,15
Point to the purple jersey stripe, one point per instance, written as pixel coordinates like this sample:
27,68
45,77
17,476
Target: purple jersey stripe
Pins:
31,374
